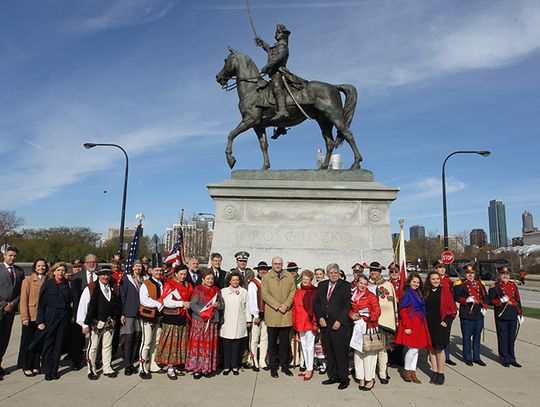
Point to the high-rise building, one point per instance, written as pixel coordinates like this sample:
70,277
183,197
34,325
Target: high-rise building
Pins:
478,237
497,224
528,224
417,232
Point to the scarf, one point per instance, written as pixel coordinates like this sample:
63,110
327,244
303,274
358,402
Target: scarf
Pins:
309,298
416,307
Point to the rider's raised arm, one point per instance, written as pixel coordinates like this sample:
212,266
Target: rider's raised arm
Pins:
261,43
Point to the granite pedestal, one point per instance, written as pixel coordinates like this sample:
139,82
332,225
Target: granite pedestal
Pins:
313,217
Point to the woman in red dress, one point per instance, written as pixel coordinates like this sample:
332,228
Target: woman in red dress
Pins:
304,321
206,302
365,306
413,330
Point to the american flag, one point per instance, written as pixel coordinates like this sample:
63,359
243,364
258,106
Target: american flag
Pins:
176,255
134,249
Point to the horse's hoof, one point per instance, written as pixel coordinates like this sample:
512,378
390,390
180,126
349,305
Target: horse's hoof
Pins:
355,166
231,161
265,167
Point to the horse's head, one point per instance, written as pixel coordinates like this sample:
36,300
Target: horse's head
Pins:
229,70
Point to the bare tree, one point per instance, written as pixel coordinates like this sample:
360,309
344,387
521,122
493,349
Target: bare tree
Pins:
9,221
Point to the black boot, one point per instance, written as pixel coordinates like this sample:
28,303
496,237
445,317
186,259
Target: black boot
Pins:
440,378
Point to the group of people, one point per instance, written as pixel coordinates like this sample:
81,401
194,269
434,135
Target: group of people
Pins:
175,320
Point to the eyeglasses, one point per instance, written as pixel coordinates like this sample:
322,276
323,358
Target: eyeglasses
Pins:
394,272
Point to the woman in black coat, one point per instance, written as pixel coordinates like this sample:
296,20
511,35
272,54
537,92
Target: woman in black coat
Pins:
53,318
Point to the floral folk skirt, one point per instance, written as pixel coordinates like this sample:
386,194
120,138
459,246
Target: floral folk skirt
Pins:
203,344
173,345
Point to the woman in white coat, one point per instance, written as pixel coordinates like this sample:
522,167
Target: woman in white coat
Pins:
236,320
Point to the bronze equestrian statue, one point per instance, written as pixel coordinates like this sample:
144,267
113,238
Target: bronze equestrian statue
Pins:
265,106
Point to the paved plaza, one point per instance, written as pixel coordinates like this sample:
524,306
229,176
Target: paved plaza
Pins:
490,386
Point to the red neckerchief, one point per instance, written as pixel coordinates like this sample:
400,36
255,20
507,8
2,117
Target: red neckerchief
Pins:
185,292
207,292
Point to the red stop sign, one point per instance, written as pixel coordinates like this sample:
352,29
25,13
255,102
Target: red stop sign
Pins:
447,257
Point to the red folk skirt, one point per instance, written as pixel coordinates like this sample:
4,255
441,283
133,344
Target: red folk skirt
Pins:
203,346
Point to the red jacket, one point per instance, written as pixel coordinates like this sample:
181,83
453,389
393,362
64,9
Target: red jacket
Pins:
367,300
303,317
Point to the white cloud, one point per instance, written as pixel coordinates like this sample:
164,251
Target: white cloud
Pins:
123,13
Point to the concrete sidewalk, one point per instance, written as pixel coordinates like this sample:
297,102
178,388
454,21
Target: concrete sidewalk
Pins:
491,386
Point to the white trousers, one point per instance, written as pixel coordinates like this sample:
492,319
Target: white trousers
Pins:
150,337
307,339
259,338
411,358
382,361
105,338
365,364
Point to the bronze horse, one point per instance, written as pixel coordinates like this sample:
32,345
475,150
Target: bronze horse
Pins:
321,101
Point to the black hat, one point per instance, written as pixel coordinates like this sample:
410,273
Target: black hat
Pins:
77,262
242,256
376,266
358,264
292,266
503,269
103,271
469,267
438,263
146,260
262,265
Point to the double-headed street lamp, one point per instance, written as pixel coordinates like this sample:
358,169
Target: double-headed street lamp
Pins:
483,154
123,218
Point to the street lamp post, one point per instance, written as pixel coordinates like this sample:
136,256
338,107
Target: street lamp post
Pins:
123,217
445,221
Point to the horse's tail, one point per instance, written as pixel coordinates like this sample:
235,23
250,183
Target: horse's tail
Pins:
351,96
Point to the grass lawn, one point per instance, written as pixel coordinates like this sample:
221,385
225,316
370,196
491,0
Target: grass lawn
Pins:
531,312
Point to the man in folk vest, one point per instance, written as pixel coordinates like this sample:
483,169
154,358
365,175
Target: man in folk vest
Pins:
102,311
259,333
151,305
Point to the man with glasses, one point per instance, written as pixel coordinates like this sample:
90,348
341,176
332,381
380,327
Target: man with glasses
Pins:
215,267
278,288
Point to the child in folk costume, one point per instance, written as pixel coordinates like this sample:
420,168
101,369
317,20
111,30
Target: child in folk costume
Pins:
471,294
504,296
103,309
174,339
149,313
206,302
413,330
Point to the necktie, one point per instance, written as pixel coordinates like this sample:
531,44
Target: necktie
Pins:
107,292
11,275
90,278
332,285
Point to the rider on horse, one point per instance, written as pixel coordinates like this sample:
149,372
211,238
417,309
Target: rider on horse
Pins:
277,58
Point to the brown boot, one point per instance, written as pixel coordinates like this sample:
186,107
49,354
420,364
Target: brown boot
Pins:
406,374
414,378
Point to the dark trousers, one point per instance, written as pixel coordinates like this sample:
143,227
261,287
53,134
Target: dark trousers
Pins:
506,339
278,357
6,322
28,360
52,346
471,331
336,347
77,344
231,353
395,356
130,348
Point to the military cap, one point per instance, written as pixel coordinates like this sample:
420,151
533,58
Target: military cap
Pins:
358,265
146,260
438,263
242,256
116,259
77,262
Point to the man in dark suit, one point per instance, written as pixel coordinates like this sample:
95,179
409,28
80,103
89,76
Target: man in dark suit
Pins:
332,304
79,281
215,266
11,277
193,276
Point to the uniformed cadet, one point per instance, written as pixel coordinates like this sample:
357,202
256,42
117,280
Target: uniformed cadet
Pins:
471,294
241,267
102,311
446,283
504,296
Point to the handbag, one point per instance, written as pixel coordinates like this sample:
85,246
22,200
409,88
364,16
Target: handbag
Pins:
372,340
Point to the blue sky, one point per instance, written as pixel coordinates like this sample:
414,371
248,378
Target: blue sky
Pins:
432,77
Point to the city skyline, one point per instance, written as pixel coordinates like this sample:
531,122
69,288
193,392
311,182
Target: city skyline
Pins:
141,74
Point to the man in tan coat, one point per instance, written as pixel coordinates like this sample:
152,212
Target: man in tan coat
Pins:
278,289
